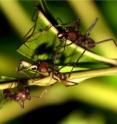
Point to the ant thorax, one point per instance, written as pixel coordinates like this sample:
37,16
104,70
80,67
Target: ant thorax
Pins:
69,33
44,67
72,36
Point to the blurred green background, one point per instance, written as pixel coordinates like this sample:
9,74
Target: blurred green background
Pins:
93,101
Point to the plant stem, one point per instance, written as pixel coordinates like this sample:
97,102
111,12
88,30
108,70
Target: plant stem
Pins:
77,77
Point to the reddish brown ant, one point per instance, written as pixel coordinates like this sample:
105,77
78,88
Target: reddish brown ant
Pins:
19,95
82,40
79,39
46,69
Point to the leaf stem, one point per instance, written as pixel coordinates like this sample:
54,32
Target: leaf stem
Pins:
77,77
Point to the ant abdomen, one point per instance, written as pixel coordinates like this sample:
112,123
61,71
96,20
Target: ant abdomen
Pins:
85,42
80,40
90,43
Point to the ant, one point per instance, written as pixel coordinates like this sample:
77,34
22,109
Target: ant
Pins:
44,68
83,40
73,34
19,95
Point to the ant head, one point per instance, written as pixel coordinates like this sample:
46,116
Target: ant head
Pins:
42,66
22,94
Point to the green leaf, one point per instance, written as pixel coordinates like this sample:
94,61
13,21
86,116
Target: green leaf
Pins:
45,37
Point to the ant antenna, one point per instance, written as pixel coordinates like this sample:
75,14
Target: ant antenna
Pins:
90,28
106,40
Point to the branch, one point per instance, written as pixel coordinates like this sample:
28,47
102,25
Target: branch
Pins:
76,77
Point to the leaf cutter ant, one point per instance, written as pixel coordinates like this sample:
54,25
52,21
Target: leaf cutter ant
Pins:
82,40
46,69
19,95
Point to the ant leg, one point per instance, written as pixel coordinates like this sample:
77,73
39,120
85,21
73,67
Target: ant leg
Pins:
31,31
35,14
75,24
106,40
58,51
21,103
91,27
77,61
43,93
73,63
59,19
69,83
62,25
55,78
55,56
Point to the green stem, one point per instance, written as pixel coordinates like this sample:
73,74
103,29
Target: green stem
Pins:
76,77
